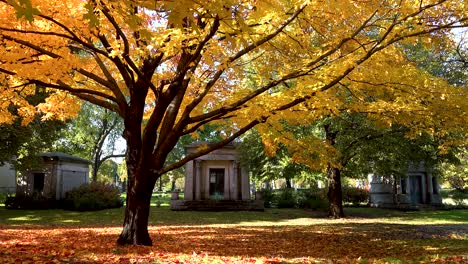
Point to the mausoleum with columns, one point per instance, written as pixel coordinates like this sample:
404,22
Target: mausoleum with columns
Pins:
419,188
216,181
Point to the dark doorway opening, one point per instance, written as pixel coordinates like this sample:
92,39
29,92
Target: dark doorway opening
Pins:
216,183
38,182
416,189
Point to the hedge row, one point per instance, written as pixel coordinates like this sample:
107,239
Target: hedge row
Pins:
311,199
87,197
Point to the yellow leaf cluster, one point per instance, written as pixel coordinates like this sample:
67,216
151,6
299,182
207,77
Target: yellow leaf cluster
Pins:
247,60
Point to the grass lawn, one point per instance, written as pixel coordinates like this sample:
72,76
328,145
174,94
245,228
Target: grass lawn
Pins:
276,235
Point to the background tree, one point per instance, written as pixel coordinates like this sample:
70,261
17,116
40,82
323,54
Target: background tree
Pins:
455,173
108,172
93,135
452,65
273,163
366,147
21,143
170,68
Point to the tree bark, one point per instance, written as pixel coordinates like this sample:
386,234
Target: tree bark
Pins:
95,168
140,184
335,194
135,227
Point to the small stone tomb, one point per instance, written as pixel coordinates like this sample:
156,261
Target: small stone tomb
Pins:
418,189
58,174
216,181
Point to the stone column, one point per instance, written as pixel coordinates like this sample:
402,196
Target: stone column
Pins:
235,174
424,188
436,197
227,182
435,181
408,186
198,179
429,187
188,190
245,185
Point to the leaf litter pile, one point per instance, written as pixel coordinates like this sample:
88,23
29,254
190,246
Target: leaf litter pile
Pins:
328,241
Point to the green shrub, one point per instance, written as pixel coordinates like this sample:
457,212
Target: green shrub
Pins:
93,196
287,199
269,198
458,197
355,196
445,193
33,202
312,199
3,197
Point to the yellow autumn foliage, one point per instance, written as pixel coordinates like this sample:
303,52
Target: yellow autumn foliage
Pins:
170,67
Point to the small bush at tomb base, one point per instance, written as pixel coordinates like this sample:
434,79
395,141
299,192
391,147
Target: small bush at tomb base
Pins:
459,197
355,196
31,202
287,199
312,199
93,196
3,197
269,198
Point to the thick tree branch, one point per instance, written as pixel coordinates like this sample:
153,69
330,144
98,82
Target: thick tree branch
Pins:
233,58
112,156
121,101
274,83
211,147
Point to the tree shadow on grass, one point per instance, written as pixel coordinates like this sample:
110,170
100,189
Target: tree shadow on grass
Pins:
164,216
321,241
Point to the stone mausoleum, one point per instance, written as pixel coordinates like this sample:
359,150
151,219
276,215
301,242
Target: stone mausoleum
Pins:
418,189
58,173
216,181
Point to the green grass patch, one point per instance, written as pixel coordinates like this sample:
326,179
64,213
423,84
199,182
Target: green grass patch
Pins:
164,216
159,199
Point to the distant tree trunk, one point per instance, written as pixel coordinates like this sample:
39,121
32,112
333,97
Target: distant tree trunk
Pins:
95,168
288,183
124,186
97,153
335,194
173,185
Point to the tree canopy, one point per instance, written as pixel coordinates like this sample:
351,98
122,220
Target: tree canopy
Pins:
169,68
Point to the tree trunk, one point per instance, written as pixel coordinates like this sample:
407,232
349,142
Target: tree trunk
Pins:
140,184
335,195
95,168
135,227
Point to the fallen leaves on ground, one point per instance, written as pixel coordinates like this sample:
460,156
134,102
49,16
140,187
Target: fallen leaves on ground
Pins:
338,242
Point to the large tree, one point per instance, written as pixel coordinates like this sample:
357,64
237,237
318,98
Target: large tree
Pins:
168,68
